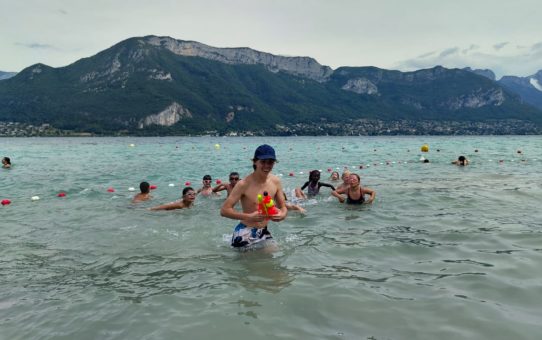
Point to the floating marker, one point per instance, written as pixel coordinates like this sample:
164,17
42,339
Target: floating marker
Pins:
171,185
153,187
61,194
35,198
131,189
110,189
6,202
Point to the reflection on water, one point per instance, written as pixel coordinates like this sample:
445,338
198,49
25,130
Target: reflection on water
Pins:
258,270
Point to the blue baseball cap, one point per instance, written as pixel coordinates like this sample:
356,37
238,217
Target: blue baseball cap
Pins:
265,152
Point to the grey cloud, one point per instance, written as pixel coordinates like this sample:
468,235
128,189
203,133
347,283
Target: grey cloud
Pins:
469,49
428,54
536,47
37,46
522,63
500,45
449,51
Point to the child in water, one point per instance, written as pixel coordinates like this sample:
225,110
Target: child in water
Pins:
313,185
206,190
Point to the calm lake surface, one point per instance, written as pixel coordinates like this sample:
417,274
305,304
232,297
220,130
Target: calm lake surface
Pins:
445,252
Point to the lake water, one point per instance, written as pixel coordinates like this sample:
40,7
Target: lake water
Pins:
445,252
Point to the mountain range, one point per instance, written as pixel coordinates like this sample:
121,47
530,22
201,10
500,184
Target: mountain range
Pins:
162,86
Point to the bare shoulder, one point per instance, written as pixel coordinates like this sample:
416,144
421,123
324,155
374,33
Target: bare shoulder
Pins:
275,180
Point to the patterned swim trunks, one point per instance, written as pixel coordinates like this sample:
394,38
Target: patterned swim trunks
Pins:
244,236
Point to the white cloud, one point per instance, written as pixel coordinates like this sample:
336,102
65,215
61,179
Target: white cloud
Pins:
505,60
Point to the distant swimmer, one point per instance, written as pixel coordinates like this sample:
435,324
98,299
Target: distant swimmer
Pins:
252,228
234,179
313,186
461,161
6,163
145,193
187,201
334,176
355,193
206,190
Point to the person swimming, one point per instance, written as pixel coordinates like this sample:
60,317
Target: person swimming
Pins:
313,185
234,179
187,201
144,195
334,176
355,193
6,163
206,190
461,161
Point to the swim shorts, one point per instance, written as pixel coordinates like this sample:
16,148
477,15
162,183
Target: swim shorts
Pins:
244,236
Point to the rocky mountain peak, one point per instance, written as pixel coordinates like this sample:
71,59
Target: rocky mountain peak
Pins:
300,66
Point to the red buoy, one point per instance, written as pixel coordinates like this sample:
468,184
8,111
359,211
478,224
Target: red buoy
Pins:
61,194
153,187
218,181
187,183
110,189
6,202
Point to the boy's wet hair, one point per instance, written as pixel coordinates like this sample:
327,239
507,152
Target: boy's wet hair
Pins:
207,178
144,187
187,189
8,160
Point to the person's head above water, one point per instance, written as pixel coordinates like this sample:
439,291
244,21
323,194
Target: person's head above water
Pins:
234,177
6,161
335,176
314,176
144,187
461,160
265,154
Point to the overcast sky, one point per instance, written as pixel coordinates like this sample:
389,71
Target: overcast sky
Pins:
504,36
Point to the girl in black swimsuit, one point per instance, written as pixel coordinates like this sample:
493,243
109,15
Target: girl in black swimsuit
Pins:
353,190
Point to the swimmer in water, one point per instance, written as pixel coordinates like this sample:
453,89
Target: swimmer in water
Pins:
6,163
295,207
334,176
187,201
145,193
234,178
206,190
355,193
345,177
461,161
313,185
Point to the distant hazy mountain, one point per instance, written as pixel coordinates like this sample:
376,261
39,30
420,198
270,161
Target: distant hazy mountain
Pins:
6,75
528,88
159,85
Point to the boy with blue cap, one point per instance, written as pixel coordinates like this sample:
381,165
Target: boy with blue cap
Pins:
252,229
